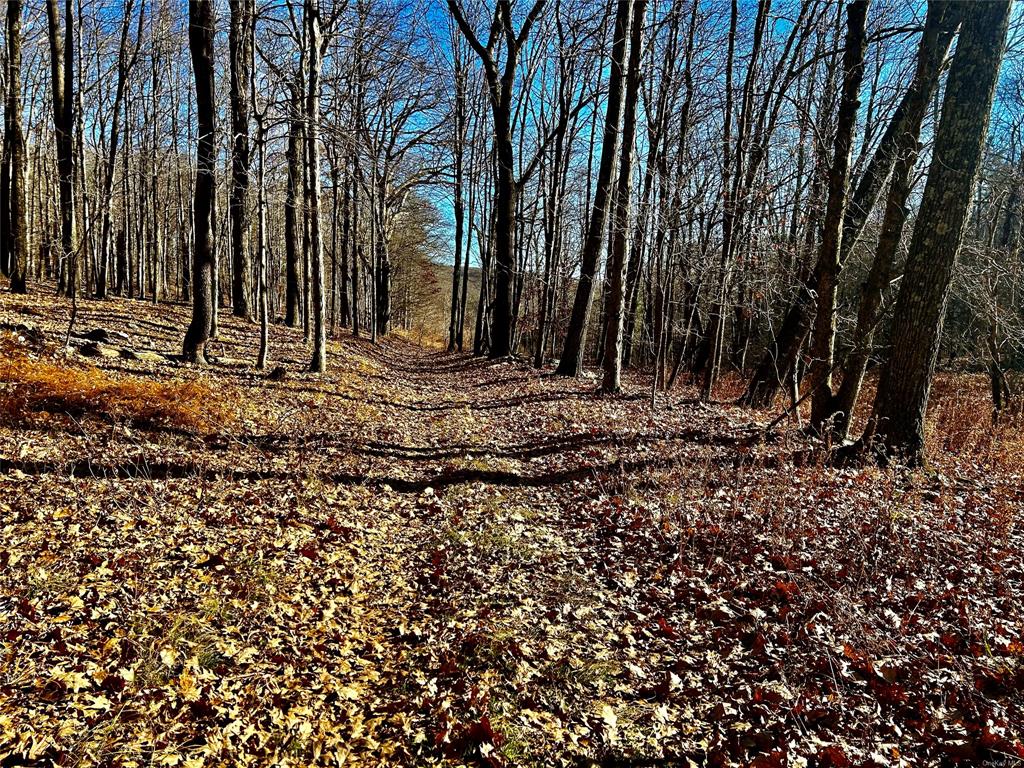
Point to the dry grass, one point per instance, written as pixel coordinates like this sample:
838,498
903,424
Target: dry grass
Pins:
423,337
960,423
31,389
730,386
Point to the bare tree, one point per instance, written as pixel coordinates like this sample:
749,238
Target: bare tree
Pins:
827,270
13,201
901,402
62,67
128,54
940,26
620,240
311,18
571,361
201,37
501,90
294,212
240,43
460,77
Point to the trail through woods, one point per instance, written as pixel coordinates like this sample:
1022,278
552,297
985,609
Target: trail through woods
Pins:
422,558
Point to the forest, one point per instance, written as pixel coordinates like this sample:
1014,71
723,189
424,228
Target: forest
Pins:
512,383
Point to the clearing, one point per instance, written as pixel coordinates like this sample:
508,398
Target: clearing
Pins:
422,558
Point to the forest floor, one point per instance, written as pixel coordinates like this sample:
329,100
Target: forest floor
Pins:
421,558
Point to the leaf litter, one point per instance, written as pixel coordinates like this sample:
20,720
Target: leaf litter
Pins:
422,559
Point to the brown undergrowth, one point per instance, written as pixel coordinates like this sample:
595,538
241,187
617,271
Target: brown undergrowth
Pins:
33,389
961,423
424,559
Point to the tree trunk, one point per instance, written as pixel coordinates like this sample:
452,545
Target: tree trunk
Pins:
344,307
571,361
311,13
716,328
261,235
500,87
620,242
827,272
505,195
5,179
14,142
779,361
240,42
940,27
200,37
460,333
293,210
458,207
384,277
124,64
481,339
897,422
62,68
357,253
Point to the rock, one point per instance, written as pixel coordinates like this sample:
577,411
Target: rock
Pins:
143,355
96,349
103,336
98,335
26,333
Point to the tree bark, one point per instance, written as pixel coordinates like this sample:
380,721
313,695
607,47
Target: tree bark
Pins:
780,359
612,381
293,211
571,361
62,68
897,423
827,272
505,195
240,43
357,254
311,14
458,150
261,242
460,333
940,26
200,37
14,143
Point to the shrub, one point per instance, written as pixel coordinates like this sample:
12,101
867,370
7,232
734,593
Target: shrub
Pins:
31,388
960,422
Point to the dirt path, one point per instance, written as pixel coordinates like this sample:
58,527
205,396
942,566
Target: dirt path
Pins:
369,566
425,559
